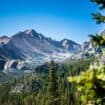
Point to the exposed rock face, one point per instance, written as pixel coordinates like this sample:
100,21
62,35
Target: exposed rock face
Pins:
29,43
23,66
4,39
14,64
70,45
88,47
10,64
2,63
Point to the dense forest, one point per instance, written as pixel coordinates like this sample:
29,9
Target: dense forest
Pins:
49,87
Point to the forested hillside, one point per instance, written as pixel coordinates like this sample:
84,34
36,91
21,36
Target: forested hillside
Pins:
49,87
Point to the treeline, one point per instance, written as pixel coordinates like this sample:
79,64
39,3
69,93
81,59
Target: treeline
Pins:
51,88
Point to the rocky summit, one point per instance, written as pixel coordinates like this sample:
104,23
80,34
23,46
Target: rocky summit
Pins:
29,43
30,47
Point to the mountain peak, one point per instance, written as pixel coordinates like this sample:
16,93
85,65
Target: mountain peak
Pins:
65,39
30,31
4,39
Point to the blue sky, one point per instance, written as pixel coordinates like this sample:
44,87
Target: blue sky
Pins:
57,19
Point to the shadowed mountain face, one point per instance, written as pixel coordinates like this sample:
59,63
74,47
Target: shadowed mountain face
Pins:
29,43
70,45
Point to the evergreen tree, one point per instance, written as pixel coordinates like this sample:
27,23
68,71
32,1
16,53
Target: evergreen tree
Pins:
52,87
98,16
99,39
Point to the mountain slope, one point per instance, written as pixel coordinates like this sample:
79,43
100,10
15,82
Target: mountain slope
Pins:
70,45
29,43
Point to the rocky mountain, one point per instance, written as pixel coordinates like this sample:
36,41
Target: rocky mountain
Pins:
4,39
33,47
88,47
70,45
29,43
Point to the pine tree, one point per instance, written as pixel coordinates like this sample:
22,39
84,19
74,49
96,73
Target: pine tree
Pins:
99,39
52,87
98,16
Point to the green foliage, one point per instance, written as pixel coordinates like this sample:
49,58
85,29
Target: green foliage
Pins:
101,3
91,85
52,87
98,16
4,91
44,88
98,40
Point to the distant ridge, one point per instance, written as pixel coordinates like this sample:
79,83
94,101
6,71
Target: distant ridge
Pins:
29,43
